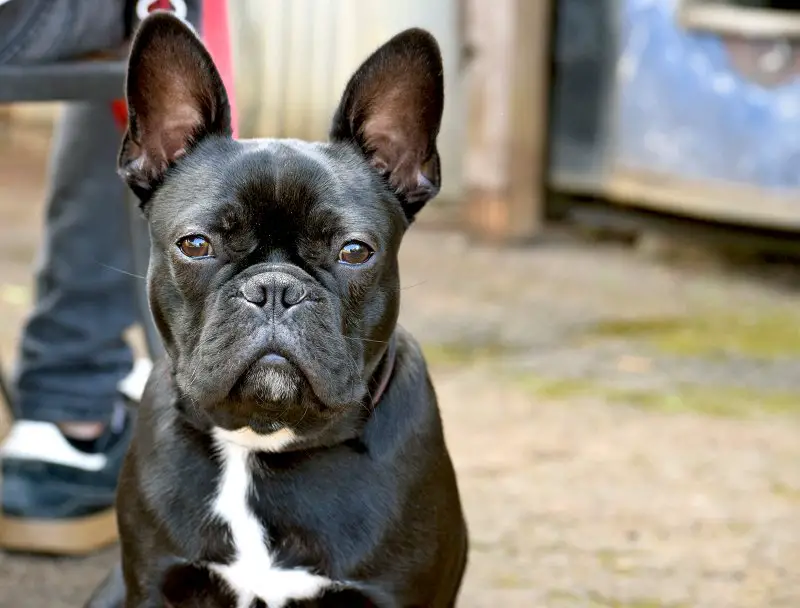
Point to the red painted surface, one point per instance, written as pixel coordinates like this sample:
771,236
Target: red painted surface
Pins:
217,38
120,111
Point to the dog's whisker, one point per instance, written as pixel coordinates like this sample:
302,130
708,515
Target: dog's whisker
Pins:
366,340
354,368
305,411
121,271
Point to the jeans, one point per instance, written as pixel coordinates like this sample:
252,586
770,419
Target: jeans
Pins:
73,353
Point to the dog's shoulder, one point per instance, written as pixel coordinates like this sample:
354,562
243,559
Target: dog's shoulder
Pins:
167,445
411,370
407,416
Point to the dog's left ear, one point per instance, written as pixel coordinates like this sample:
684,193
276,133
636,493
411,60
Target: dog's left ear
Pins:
392,109
175,98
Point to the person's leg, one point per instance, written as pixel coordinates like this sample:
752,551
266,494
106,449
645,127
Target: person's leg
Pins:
73,354
37,31
61,459
59,481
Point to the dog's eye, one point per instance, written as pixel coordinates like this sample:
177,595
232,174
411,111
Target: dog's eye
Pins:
355,252
195,246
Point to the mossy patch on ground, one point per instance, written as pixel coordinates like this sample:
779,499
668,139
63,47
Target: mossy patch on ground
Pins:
766,335
462,353
599,600
618,562
559,598
510,581
786,491
721,401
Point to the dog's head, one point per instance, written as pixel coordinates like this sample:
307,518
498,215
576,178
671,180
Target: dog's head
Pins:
273,273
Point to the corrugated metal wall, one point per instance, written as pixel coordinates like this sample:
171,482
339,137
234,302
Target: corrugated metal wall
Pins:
294,57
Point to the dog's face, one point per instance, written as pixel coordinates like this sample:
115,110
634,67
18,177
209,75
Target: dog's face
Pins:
273,275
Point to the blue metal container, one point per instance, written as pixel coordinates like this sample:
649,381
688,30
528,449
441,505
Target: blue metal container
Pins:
696,122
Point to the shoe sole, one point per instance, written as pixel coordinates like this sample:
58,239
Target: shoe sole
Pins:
75,537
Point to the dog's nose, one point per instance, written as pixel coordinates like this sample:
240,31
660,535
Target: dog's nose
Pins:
275,290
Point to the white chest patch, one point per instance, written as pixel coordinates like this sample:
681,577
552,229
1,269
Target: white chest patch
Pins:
253,573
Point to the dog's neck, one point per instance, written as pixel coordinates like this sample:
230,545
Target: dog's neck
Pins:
381,379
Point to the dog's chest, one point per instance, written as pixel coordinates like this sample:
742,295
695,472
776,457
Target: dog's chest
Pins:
253,573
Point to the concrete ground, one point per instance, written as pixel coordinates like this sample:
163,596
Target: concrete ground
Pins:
626,429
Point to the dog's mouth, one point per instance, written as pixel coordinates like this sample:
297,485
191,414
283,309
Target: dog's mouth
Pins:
272,393
298,373
272,381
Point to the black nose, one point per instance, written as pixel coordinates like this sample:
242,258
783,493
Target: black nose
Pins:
276,290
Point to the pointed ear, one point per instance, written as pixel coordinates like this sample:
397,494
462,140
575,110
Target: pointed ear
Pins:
175,99
392,109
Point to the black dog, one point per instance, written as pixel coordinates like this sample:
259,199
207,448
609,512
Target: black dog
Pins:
289,449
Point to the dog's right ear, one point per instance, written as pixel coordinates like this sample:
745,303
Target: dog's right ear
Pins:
175,97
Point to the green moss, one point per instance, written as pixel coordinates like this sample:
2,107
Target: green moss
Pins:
785,491
555,389
765,335
509,581
558,597
740,528
463,353
711,401
614,561
599,600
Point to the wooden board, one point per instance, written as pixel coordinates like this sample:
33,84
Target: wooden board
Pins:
507,91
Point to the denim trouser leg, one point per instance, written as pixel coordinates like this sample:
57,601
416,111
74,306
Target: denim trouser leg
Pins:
73,353
36,31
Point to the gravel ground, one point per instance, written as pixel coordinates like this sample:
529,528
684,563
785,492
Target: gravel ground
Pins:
625,430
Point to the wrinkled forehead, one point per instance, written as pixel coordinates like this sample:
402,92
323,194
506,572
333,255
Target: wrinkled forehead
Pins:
283,185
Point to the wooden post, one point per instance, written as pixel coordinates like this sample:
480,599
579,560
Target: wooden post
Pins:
507,91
